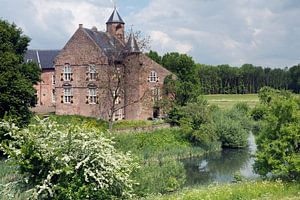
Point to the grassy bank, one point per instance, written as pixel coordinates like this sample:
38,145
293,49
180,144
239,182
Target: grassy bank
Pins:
226,101
271,190
159,144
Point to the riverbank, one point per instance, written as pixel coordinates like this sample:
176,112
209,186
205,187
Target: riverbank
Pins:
271,190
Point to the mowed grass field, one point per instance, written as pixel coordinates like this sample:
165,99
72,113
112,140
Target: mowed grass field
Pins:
228,100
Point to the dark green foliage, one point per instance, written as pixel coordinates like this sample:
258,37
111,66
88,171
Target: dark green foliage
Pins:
16,78
154,56
294,73
207,127
205,137
248,79
278,139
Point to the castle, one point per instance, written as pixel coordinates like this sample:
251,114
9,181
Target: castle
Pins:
99,74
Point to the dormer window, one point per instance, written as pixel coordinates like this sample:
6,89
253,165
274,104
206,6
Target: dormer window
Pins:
67,72
153,78
92,73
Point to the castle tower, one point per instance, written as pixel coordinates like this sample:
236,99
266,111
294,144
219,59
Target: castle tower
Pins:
132,45
116,26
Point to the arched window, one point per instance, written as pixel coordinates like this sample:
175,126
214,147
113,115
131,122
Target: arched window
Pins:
153,77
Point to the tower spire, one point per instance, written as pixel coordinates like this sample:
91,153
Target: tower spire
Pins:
132,45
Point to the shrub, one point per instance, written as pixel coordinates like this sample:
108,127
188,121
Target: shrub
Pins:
205,137
278,143
159,177
69,162
232,127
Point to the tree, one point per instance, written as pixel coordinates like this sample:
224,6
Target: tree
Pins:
17,94
278,144
154,56
295,78
180,64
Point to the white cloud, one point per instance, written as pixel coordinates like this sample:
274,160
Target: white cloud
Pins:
262,32
167,44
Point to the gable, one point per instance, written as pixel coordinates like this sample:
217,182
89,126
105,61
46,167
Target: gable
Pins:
81,49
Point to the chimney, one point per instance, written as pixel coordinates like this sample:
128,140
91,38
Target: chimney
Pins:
80,25
94,29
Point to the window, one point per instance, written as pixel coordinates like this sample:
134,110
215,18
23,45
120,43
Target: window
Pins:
53,96
53,79
29,60
67,95
118,115
153,77
67,72
155,94
92,73
92,96
118,99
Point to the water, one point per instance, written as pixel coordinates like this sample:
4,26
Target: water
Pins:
221,166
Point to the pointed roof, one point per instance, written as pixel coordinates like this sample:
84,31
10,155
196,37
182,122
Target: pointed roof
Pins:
115,18
132,46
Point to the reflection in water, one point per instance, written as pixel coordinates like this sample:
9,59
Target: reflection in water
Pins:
221,166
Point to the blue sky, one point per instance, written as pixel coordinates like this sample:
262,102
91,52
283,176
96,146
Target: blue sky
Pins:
262,32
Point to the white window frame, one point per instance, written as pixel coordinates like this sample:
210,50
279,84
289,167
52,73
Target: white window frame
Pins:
92,73
118,115
53,79
67,72
92,95
153,78
67,95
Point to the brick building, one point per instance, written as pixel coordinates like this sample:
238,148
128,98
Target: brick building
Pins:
99,74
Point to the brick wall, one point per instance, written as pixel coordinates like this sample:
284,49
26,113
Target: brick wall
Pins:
45,89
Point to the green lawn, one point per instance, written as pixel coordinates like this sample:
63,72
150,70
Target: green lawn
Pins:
271,190
228,100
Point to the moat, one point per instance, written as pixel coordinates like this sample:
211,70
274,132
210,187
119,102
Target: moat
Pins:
220,167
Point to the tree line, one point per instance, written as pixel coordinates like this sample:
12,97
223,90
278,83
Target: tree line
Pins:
226,79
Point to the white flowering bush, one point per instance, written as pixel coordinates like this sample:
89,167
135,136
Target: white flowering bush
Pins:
61,162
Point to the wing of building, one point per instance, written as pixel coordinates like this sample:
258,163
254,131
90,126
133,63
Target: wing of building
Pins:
99,74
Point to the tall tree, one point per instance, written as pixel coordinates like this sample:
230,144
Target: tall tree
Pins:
16,77
154,56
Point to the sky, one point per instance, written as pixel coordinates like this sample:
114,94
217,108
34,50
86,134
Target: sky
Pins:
262,32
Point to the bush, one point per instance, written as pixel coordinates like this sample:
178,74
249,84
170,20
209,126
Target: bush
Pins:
69,162
232,127
278,143
159,177
206,137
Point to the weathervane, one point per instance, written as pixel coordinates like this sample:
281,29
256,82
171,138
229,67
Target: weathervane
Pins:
114,3
131,28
